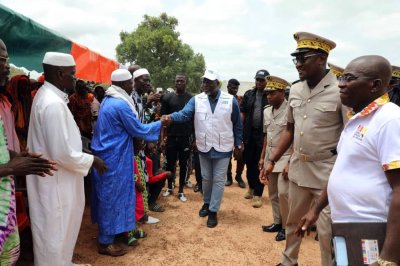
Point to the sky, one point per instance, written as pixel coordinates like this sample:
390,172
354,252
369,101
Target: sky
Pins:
236,37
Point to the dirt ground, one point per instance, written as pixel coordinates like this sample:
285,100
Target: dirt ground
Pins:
182,237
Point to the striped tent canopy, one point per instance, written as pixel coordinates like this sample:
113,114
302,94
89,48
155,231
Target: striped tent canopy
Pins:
27,41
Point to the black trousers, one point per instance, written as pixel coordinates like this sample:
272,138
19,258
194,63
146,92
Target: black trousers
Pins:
178,148
197,168
239,169
252,153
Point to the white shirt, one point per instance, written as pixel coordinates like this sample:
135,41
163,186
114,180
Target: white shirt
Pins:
56,202
358,189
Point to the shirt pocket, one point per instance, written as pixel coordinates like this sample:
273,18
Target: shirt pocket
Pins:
325,113
297,111
266,125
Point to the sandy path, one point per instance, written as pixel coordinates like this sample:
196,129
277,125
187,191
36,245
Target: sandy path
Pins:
182,238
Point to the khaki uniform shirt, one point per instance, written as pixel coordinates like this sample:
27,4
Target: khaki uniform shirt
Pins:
274,123
318,117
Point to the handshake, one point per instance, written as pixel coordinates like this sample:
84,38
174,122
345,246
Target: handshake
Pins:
166,120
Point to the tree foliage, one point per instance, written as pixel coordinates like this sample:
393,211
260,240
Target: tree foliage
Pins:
155,45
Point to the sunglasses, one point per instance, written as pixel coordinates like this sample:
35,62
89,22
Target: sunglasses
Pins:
303,59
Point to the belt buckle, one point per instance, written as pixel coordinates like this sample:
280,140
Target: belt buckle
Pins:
304,157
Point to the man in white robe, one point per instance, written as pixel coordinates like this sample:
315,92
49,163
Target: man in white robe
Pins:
57,203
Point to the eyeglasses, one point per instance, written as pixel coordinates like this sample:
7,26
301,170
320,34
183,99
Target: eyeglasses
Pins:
349,78
302,59
6,59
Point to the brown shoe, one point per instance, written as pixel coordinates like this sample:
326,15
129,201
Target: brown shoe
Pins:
113,250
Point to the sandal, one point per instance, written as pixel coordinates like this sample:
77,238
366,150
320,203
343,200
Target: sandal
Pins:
139,233
132,240
156,208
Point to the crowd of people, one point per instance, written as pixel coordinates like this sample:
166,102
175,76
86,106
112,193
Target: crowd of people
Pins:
326,151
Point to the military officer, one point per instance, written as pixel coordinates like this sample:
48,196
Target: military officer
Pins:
277,181
315,120
337,70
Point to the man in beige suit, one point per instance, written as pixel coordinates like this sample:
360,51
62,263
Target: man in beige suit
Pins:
277,181
315,120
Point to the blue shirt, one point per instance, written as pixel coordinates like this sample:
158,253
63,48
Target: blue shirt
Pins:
187,114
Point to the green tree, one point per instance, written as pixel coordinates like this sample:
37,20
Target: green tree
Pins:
155,45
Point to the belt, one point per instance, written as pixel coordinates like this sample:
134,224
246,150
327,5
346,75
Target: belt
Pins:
315,157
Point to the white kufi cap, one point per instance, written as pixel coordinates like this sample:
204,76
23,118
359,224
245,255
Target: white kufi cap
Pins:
58,59
140,72
211,74
121,75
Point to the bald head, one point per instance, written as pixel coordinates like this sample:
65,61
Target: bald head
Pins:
374,67
133,68
365,79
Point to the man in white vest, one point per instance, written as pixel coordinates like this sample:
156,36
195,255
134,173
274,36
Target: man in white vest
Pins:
218,130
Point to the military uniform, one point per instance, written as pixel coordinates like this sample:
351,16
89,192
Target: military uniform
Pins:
318,118
274,123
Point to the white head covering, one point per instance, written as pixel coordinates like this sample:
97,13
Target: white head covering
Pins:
58,59
121,75
140,72
211,74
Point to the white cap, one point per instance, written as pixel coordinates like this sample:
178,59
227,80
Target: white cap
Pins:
121,75
140,72
159,90
170,90
58,59
211,74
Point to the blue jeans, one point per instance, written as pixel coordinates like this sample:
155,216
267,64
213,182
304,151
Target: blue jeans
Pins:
213,172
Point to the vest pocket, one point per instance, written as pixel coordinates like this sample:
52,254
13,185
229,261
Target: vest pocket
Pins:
224,138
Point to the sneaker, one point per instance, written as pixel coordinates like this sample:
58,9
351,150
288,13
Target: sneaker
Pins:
168,192
257,203
188,184
182,197
249,194
152,220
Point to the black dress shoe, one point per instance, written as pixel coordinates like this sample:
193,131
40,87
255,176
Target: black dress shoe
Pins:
212,220
204,210
240,181
281,235
228,182
272,228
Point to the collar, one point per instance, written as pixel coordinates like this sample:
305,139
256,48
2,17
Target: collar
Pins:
372,107
57,91
216,98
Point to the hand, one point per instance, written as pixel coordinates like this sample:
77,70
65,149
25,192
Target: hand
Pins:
153,97
305,223
268,168
139,187
238,153
263,179
285,173
166,120
99,165
260,164
26,163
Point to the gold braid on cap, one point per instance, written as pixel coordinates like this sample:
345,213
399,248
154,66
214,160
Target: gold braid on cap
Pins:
314,44
396,73
337,72
273,85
